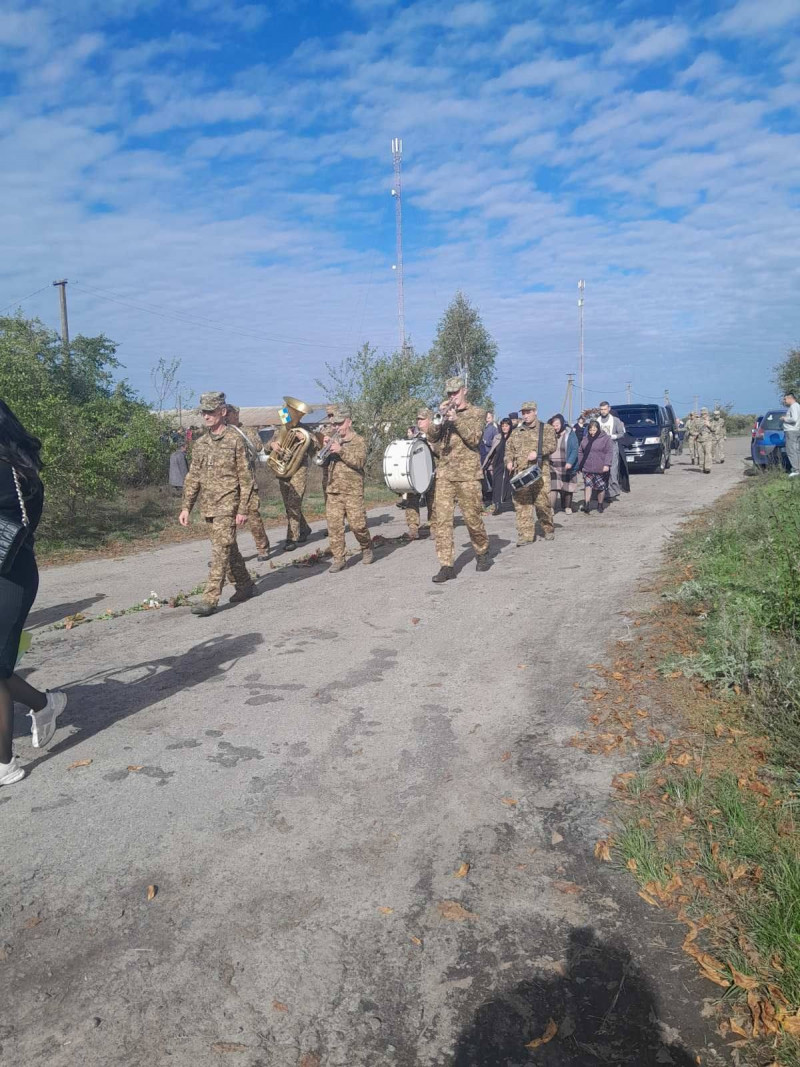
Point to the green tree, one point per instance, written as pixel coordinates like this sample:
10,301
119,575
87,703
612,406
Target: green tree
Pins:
97,435
786,374
463,346
381,391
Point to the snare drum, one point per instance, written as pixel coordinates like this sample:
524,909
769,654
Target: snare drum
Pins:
530,476
408,466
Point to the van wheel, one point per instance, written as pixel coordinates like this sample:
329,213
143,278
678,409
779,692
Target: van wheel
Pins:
662,463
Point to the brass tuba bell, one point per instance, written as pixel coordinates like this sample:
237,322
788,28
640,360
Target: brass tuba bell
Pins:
293,440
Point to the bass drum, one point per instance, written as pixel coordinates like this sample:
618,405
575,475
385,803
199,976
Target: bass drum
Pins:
408,466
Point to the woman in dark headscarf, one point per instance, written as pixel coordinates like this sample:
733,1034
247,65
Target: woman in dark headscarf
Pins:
496,462
594,462
563,464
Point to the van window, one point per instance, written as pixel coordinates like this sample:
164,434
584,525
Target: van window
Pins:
638,414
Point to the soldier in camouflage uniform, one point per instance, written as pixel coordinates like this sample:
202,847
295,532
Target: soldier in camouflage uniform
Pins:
705,441
719,432
220,476
293,489
458,477
522,451
690,435
345,498
414,501
255,448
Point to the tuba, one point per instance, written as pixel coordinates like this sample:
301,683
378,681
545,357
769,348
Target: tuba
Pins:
293,440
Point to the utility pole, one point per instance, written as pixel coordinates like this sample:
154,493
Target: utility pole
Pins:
62,285
567,405
397,193
696,407
666,398
581,291
628,391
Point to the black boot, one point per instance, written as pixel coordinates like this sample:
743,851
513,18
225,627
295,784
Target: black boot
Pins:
483,563
446,574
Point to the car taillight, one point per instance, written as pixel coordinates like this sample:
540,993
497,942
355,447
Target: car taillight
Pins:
760,435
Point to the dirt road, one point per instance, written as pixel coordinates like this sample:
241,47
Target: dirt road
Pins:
303,778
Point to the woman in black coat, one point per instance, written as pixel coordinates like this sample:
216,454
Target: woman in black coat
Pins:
501,484
21,498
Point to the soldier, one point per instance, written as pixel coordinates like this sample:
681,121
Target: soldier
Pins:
345,498
254,447
415,500
719,432
705,440
692,431
522,450
220,476
458,477
293,489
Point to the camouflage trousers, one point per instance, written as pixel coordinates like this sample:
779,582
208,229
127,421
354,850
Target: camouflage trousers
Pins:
533,496
350,507
226,559
468,497
257,528
413,508
693,449
705,449
719,449
293,490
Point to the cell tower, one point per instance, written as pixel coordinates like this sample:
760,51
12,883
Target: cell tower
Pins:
397,193
581,291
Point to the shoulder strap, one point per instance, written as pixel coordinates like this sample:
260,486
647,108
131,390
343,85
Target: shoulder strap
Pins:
541,438
21,498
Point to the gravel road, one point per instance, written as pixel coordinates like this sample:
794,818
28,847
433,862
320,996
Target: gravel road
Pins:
302,777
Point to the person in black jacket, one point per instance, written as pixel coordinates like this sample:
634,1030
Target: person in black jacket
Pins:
21,496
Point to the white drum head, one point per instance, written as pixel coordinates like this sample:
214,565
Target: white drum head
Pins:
420,467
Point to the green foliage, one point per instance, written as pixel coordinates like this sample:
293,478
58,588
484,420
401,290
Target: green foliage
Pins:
382,392
97,436
463,346
786,374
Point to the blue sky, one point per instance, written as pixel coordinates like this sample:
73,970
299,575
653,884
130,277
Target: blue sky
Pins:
214,180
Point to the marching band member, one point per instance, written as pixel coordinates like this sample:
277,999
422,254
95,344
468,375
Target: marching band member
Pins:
523,449
458,477
414,501
254,447
345,497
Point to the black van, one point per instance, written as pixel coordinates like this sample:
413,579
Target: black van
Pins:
649,436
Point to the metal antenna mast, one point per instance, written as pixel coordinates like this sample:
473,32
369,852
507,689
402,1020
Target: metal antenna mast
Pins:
397,193
581,291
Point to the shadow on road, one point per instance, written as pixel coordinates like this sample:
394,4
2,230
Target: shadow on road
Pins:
47,616
103,698
603,1007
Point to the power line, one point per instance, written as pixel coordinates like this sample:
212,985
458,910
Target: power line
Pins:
210,324
24,298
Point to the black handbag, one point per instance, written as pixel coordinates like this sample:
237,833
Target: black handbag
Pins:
13,534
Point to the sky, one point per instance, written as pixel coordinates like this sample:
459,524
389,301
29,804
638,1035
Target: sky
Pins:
214,179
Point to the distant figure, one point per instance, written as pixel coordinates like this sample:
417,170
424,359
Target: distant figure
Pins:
719,432
580,428
489,434
178,469
514,419
791,432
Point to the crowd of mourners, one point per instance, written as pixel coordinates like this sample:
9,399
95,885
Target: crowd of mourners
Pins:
587,457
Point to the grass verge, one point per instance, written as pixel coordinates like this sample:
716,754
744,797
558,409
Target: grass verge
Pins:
707,696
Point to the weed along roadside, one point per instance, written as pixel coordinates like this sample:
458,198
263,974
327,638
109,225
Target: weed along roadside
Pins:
706,699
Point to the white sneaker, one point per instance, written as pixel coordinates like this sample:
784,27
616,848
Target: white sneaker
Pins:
11,772
794,474
44,721
567,511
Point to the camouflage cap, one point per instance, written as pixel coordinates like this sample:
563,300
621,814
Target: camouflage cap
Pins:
452,385
211,401
717,411
232,409
340,415
424,413
703,411
528,405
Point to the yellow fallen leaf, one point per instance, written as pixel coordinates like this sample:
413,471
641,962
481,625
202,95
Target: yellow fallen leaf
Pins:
416,941
550,1032
567,888
683,760
278,1005
737,1028
791,1024
309,1059
506,756
632,865
522,666
648,899
510,802
386,911
79,763
719,730
462,871
135,767
602,851
744,981
151,892
556,838
451,909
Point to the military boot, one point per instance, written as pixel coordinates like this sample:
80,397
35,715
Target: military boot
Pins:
367,556
446,574
204,609
243,594
483,563
337,565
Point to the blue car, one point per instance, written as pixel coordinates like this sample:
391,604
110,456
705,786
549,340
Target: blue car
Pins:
768,445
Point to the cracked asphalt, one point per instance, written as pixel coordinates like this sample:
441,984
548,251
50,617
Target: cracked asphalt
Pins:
302,776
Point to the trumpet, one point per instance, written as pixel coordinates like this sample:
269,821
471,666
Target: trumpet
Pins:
450,409
324,453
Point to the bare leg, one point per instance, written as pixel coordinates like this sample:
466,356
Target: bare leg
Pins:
587,497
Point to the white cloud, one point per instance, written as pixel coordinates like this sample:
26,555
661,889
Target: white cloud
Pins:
645,43
757,16
201,110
